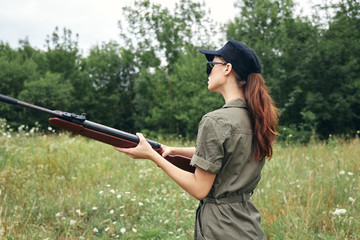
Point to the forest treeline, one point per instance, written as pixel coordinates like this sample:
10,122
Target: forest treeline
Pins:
155,80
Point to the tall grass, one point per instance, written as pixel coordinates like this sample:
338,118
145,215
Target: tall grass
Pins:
312,192
69,187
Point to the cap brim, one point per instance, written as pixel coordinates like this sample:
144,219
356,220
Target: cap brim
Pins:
209,53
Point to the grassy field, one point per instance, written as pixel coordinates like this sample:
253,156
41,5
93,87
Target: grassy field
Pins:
69,187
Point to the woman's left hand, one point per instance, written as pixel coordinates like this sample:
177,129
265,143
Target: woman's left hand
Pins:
142,151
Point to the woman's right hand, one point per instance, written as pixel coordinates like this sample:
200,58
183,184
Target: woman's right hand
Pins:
165,150
182,151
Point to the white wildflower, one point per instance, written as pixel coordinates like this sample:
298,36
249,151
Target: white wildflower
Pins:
166,221
134,230
58,214
95,230
94,208
72,222
101,192
111,211
141,204
49,128
352,200
342,172
78,212
350,173
122,230
339,211
112,191
107,229
108,185
118,196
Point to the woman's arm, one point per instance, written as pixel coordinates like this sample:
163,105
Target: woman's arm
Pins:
197,184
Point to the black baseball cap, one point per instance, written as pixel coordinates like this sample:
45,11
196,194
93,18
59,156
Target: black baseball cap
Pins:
242,58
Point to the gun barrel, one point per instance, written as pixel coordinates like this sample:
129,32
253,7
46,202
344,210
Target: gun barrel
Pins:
28,105
8,99
41,109
85,123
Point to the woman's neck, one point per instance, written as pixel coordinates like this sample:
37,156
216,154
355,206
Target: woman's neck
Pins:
232,91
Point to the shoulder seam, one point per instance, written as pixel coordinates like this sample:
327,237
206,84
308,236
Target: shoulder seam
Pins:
221,127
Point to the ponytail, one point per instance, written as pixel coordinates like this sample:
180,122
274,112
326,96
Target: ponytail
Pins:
264,120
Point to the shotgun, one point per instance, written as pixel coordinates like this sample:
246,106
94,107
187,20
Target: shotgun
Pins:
78,124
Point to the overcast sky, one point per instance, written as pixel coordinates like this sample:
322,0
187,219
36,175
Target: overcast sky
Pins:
94,20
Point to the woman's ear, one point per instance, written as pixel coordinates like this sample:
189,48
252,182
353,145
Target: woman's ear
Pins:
228,68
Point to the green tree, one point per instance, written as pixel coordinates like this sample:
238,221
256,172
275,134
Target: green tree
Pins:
311,66
62,55
50,91
154,111
15,70
159,38
110,70
192,99
334,92
165,33
285,44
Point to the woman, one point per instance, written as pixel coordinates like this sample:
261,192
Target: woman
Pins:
231,147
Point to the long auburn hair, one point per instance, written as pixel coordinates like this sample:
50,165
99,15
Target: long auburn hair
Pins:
264,118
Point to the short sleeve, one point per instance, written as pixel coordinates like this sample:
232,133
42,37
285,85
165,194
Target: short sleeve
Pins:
209,152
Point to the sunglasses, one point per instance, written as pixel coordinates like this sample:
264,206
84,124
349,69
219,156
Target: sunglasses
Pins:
211,65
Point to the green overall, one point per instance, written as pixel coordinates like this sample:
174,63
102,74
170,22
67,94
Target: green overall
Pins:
224,146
